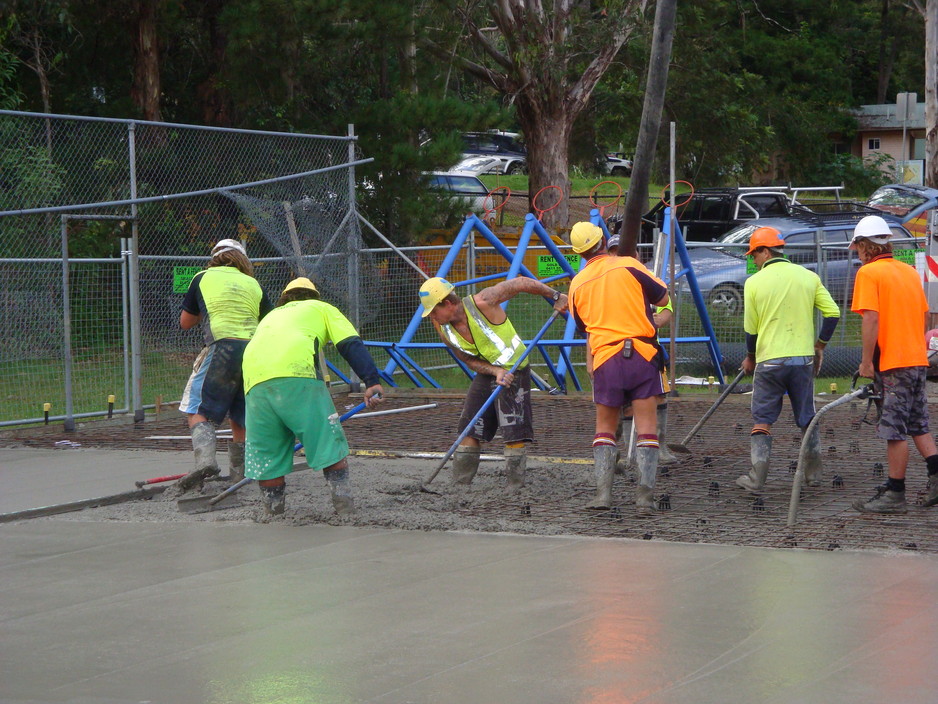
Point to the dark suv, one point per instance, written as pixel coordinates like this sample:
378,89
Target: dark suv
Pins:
711,212
504,147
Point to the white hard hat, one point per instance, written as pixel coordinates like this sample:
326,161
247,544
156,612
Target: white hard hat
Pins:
872,228
228,246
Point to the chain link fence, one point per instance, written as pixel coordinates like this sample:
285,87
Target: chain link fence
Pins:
103,223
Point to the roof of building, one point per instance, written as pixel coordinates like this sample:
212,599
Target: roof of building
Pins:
885,117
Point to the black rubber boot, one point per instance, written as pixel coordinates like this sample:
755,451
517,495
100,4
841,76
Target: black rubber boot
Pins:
274,499
341,490
235,461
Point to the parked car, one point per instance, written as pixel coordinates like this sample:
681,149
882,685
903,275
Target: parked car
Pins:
463,186
907,202
712,212
722,268
617,165
507,149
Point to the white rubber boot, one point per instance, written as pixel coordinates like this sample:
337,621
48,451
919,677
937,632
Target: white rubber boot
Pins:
465,464
665,456
604,467
516,462
812,459
760,451
203,447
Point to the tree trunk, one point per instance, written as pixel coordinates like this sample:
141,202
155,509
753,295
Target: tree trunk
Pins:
547,142
888,50
146,88
216,103
931,94
637,198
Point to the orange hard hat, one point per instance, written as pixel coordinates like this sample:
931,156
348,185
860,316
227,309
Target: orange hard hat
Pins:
765,237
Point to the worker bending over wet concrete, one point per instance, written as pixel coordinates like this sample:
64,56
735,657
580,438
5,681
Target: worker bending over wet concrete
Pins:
611,299
782,350
287,397
889,295
228,301
480,334
661,316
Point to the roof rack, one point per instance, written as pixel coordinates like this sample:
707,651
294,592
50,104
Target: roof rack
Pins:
825,211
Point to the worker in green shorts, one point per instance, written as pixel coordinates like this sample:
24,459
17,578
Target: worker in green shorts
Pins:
287,398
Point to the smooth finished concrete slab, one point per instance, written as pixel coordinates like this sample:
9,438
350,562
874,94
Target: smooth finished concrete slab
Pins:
110,612
36,477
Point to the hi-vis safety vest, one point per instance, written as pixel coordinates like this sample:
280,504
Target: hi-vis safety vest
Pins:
497,344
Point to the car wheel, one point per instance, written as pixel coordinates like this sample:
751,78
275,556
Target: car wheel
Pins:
515,167
726,299
621,171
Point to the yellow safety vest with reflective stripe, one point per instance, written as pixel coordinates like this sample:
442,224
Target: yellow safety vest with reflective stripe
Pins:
496,344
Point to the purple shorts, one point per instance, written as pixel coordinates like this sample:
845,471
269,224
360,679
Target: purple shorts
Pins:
619,381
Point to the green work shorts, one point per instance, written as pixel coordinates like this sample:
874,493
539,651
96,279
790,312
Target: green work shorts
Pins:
279,410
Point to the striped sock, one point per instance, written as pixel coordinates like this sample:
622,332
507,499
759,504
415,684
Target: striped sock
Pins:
760,431
647,441
604,439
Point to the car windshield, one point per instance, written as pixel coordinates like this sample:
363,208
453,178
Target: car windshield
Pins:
467,184
897,201
738,235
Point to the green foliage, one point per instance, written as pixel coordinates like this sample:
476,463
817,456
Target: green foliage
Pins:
860,177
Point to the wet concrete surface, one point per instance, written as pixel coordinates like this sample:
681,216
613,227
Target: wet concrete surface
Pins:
211,609
263,614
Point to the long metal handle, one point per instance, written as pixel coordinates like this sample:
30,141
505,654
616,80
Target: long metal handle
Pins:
491,398
726,392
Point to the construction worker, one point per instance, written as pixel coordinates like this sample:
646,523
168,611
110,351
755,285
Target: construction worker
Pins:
662,317
889,296
782,350
286,396
480,334
228,301
611,299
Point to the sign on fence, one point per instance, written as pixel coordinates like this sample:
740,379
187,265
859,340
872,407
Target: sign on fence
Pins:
548,266
182,277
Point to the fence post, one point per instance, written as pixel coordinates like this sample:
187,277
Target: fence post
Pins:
66,327
134,281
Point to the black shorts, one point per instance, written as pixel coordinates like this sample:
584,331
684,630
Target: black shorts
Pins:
511,411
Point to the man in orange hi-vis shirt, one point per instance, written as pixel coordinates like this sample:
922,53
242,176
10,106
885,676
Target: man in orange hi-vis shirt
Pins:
611,300
889,295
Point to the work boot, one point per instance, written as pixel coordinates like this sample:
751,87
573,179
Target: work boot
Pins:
465,464
604,458
274,499
203,446
812,458
760,451
341,489
665,456
932,497
885,501
516,461
647,461
235,461
623,437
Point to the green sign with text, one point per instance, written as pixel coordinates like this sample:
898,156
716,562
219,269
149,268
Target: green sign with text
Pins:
548,266
182,277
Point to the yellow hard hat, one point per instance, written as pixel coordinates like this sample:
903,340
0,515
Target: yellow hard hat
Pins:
584,236
301,282
432,292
